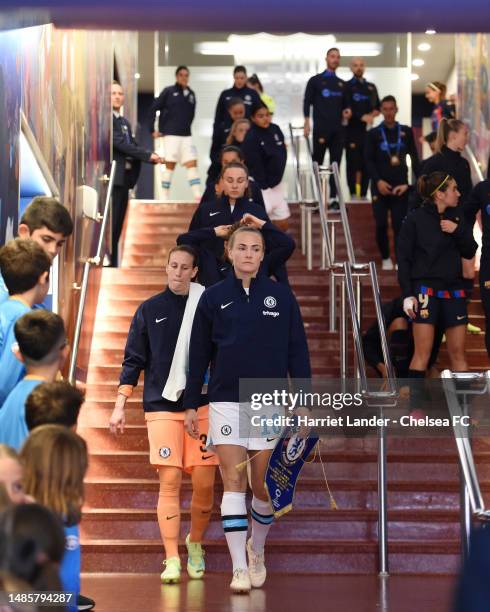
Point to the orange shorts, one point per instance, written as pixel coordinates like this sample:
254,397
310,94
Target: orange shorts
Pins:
171,445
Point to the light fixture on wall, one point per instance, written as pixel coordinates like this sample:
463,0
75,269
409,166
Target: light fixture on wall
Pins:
425,46
414,76
430,32
418,62
137,75
265,47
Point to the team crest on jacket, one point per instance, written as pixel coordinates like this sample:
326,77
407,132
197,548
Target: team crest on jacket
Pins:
164,452
270,302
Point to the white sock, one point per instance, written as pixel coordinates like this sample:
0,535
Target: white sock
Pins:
262,518
194,182
166,182
235,525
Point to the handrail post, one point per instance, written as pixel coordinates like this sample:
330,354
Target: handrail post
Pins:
343,331
343,215
382,501
85,277
309,239
332,306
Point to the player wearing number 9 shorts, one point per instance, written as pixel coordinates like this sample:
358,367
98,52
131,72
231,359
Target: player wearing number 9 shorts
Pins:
246,326
158,344
433,239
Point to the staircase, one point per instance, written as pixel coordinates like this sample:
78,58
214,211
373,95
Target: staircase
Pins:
119,527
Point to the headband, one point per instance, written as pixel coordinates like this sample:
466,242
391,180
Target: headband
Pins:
441,185
433,86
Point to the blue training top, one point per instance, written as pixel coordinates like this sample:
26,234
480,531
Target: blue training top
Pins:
11,369
259,335
13,426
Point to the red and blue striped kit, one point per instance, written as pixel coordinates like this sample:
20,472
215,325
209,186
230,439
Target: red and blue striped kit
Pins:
443,293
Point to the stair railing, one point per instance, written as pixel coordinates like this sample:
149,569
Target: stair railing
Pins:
97,260
472,505
474,162
374,398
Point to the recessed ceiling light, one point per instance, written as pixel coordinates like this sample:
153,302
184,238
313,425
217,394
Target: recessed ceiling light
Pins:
414,76
430,32
418,62
137,75
424,46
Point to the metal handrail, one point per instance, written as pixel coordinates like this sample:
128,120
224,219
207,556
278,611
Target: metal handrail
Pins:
390,393
92,261
472,502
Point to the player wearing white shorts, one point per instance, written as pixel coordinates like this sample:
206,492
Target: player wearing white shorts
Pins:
246,326
177,106
265,154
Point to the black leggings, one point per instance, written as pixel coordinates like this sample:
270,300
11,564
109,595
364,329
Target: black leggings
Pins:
334,142
397,205
485,298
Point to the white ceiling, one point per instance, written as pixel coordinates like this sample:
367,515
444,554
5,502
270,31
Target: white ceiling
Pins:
439,61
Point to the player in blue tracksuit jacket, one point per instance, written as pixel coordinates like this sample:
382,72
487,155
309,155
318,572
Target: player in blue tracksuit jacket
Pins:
265,154
364,103
246,326
177,106
278,249
152,346
235,110
239,90
328,95
214,188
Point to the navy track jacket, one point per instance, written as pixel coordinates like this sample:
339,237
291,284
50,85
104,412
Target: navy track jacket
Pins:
177,108
265,154
150,348
255,193
328,95
278,249
218,212
249,96
260,335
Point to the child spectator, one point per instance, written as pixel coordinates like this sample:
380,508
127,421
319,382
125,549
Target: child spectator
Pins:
53,403
25,269
55,462
48,223
11,475
42,349
32,545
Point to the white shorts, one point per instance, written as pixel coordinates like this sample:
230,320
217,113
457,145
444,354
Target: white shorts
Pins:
275,203
178,149
230,423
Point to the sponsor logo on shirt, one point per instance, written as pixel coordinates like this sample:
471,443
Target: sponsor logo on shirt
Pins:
164,452
269,313
327,93
72,542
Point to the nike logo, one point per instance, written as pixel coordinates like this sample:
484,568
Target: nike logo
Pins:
223,306
160,320
215,213
461,318
208,457
171,517
269,439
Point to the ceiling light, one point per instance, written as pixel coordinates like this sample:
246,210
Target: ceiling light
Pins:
137,75
430,32
424,46
414,76
418,62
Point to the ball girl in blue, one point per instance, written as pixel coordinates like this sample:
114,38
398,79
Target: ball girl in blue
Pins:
55,461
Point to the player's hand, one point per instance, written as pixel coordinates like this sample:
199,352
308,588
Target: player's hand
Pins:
399,190
155,158
306,127
448,226
384,187
367,118
410,306
303,430
156,134
252,221
191,423
222,231
347,113
117,420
